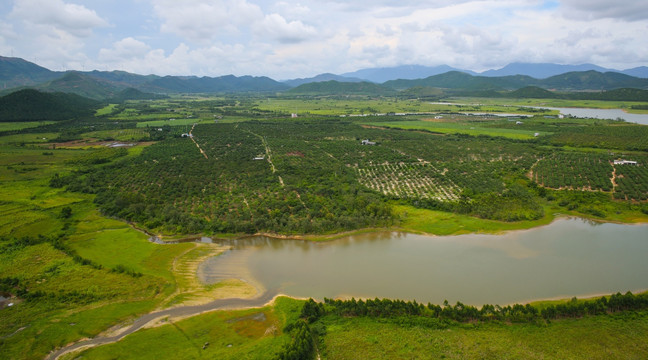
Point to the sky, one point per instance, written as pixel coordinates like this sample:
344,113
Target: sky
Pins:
302,38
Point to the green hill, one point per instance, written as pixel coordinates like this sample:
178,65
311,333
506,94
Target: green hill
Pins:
16,72
461,80
134,94
340,88
582,80
532,92
82,85
34,105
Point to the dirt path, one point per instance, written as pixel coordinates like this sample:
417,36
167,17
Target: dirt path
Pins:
268,156
194,141
179,312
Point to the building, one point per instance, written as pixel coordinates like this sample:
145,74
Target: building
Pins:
367,142
625,162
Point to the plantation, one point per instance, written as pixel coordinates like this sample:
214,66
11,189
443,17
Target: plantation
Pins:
574,171
632,181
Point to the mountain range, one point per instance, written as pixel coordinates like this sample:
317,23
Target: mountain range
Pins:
16,73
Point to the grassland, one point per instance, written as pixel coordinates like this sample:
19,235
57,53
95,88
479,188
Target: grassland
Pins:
11,126
594,104
601,337
442,223
468,128
241,334
79,300
363,105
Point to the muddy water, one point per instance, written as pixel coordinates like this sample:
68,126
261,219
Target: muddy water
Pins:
570,257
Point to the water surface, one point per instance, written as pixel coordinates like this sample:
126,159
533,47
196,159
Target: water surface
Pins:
570,257
602,114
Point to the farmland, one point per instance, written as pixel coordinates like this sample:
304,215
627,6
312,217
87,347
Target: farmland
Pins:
68,203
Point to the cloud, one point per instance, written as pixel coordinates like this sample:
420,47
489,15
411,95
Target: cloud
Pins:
274,26
127,48
299,38
202,21
629,10
77,20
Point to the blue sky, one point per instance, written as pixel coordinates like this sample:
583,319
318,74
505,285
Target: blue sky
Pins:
289,39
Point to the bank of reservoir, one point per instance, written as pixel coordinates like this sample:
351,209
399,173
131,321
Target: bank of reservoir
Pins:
566,258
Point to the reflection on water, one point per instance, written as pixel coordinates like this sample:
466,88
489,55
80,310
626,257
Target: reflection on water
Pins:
569,257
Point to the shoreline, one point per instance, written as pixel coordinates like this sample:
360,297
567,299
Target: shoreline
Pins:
180,238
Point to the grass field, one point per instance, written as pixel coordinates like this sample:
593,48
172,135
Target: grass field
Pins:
80,300
176,122
358,106
241,334
442,223
10,126
602,337
595,104
458,128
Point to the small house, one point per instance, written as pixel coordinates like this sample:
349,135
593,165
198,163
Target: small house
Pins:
367,142
625,162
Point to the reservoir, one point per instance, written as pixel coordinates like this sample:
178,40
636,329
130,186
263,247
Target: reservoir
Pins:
603,114
570,257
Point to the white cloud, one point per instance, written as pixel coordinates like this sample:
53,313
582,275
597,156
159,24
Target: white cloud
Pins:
202,21
276,27
127,48
299,38
74,19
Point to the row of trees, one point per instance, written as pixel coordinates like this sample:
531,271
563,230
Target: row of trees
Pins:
460,312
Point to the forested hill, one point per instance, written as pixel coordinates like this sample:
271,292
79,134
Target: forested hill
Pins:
221,84
18,72
33,105
573,81
340,88
134,94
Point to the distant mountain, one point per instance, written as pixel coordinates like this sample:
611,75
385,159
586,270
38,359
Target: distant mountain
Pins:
592,80
222,84
340,88
16,72
461,80
34,105
540,70
321,78
545,70
640,72
408,72
134,94
588,80
122,78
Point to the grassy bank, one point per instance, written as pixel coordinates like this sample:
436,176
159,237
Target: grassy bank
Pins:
622,336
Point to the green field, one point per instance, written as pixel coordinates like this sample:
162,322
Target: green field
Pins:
10,126
619,337
473,129
362,105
